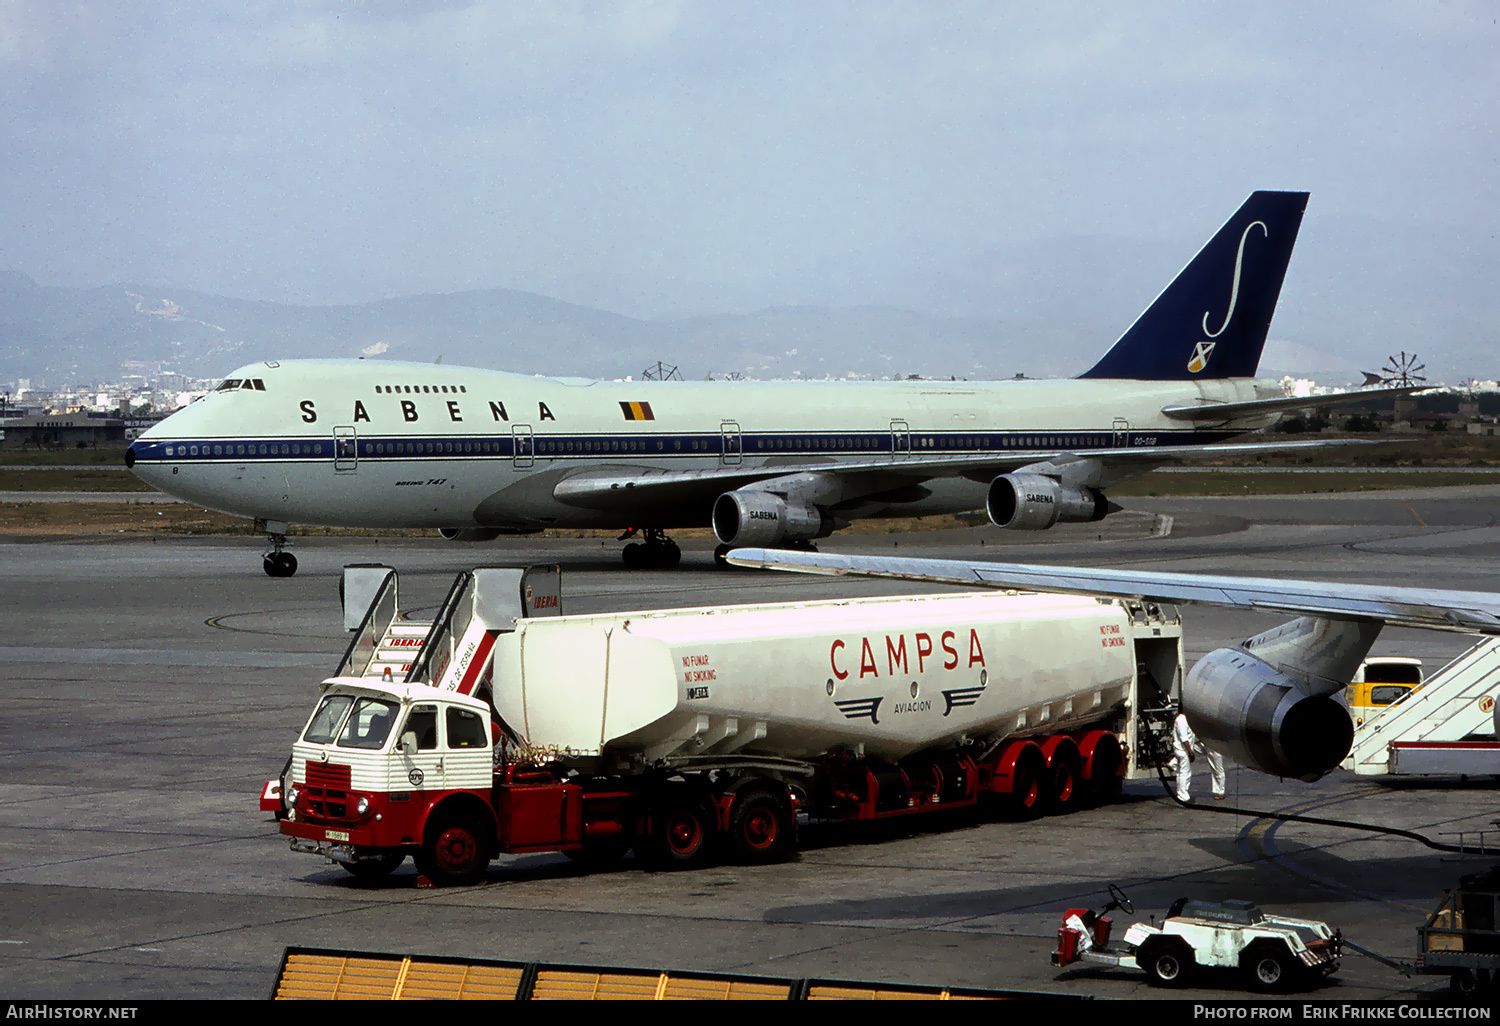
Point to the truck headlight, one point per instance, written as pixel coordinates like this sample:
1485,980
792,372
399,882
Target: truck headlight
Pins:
362,806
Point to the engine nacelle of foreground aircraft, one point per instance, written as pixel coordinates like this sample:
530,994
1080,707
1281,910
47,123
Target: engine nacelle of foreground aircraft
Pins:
469,534
763,518
1034,502
1260,718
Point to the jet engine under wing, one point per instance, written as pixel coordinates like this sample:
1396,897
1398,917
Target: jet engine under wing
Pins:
1217,411
1474,612
637,487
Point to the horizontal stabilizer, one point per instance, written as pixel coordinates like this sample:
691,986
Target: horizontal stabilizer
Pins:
1214,411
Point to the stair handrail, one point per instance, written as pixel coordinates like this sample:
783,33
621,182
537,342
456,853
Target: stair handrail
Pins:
366,640
442,632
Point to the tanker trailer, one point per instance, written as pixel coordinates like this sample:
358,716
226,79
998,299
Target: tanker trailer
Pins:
688,734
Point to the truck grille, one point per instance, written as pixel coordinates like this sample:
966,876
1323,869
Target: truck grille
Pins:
325,793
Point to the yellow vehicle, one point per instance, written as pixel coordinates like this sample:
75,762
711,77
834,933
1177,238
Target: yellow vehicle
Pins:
1379,682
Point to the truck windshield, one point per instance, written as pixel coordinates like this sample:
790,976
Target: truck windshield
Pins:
324,726
369,724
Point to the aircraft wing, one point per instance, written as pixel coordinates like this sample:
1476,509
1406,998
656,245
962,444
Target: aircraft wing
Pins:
627,486
1215,411
1474,612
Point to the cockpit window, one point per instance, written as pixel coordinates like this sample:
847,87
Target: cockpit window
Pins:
231,384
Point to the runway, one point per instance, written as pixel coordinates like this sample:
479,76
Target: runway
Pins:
155,686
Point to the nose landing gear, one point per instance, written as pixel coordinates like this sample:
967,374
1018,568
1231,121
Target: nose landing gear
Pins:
277,563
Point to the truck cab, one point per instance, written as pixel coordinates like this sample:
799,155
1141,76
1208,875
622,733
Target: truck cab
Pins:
1379,682
377,765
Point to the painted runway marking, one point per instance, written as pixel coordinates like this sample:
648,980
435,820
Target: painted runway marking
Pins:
1258,839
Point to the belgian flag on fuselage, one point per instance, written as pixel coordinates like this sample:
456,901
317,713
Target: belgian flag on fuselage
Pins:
1211,322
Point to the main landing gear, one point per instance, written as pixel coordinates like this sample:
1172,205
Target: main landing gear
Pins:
656,552
277,563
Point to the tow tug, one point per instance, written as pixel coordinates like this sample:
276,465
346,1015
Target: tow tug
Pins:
1271,953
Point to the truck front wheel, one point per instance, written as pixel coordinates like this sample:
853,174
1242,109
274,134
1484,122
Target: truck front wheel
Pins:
761,826
454,853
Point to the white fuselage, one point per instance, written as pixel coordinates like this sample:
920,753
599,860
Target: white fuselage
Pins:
383,444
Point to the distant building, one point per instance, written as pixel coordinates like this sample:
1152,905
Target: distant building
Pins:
63,430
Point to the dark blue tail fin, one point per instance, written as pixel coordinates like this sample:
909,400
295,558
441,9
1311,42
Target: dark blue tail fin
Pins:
1211,322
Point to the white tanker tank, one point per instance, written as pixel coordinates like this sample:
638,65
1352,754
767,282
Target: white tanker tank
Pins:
893,675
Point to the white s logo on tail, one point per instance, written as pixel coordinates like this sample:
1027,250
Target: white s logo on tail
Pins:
1234,293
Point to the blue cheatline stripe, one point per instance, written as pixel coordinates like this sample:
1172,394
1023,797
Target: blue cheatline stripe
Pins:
554,447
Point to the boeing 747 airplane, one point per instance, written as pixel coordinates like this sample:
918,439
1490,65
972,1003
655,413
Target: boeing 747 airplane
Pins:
481,453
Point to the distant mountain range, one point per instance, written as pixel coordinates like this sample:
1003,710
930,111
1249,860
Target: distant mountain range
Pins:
55,335
1044,309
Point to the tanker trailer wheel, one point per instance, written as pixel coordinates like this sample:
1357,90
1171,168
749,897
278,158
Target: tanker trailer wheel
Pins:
1065,782
762,828
373,869
1028,795
454,852
681,833
1105,782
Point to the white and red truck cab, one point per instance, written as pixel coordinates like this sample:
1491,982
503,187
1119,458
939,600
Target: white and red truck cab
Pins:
376,759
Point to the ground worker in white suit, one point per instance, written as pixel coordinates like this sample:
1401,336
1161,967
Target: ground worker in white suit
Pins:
1184,744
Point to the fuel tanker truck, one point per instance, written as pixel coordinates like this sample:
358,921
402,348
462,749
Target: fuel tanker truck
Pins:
699,733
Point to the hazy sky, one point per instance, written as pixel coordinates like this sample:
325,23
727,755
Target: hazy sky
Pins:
666,158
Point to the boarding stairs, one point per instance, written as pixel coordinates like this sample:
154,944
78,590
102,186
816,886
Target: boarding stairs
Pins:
1454,704
452,651
398,649
385,645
